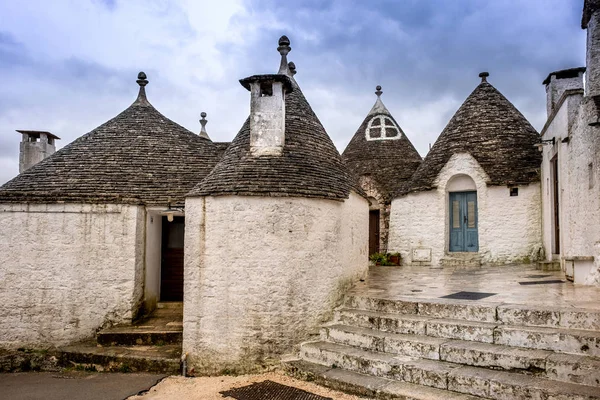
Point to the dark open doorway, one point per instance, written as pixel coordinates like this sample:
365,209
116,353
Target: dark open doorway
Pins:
555,206
374,231
171,271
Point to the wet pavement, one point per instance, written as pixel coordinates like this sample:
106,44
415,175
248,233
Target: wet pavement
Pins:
74,385
513,284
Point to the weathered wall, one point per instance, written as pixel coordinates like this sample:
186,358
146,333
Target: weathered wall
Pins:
579,202
67,269
583,224
261,274
509,227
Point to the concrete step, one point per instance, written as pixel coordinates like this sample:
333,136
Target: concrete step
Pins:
443,375
91,357
500,313
366,385
564,367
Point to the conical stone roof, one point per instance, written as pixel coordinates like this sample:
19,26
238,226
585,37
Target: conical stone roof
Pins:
390,161
494,132
140,156
310,165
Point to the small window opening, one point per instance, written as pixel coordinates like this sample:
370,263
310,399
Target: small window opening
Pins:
266,89
33,138
592,178
514,191
50,141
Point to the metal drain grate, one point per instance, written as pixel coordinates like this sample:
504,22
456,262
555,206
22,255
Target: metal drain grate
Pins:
468,295
269,390
541,282
537,276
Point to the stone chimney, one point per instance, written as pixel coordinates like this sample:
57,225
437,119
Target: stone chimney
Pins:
35,146
267,106
590,21
558,82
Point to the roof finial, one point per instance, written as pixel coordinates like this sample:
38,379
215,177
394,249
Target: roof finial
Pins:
484,76
203,122
378,91
283,49
142,81
292,68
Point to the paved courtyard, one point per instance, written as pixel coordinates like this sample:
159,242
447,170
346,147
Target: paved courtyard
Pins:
397,283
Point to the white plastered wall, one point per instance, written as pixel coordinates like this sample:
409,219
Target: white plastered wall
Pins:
579,204
261,274
509,228
66,270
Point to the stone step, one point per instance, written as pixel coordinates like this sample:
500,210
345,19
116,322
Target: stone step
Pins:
384,342
173,305
500,313
91,357
548,265
418,325
562,367
443,375
555,339
366,385
140,335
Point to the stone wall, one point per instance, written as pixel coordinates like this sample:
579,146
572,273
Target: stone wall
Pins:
509,227
66,270
261,274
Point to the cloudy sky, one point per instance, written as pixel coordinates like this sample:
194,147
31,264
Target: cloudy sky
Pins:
69,65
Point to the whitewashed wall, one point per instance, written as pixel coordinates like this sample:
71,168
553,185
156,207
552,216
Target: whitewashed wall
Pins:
583,226
261,274
67,269
509,227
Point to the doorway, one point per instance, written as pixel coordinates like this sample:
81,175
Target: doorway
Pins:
374,231
171,270
464,236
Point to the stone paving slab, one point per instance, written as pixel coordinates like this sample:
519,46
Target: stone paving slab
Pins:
74,385
398,283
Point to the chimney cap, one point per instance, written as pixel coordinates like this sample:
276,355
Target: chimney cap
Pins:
564,73
287,82
37,133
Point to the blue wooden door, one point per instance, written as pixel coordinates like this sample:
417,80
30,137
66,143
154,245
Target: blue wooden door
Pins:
463,222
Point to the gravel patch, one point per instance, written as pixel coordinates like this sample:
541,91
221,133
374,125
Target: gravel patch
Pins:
208,388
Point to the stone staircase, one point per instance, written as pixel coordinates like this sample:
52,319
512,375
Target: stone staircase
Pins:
455,349
152,344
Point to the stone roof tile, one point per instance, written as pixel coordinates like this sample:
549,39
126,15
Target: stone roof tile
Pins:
390,162
494,132
310,165
140,156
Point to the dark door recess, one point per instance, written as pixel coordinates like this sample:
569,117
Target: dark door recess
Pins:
171,271
373,231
